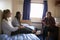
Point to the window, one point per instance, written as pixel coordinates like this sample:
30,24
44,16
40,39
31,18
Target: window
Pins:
36,10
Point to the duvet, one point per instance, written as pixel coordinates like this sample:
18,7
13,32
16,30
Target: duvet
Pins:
19,37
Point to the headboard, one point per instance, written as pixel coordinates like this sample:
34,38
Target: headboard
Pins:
0,19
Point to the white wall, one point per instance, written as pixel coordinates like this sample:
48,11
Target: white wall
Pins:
5,4
17,5
57,11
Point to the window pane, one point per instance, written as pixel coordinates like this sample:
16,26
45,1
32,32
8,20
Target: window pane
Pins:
36,10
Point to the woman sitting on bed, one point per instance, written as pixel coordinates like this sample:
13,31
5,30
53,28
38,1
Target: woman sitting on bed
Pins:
16,22
7,26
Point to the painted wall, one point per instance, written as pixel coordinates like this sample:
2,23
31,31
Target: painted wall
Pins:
55,9
17,5
51,7
5,4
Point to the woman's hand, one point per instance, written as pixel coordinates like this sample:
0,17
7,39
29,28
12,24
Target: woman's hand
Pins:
21,27
33,31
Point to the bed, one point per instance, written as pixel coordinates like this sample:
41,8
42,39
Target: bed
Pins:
19,37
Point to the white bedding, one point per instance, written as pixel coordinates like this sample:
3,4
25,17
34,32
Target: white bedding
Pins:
27,25
19,37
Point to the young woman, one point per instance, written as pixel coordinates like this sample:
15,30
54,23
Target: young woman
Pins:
50,27
16,19
16,22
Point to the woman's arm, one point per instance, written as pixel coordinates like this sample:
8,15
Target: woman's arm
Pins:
15,22
9,27
44,21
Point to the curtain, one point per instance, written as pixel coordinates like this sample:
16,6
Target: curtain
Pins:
45,8
44,14
26,9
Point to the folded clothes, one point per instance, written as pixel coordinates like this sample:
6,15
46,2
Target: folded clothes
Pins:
28,26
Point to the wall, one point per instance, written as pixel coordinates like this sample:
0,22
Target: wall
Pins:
51,7
5,4
55,9
17,5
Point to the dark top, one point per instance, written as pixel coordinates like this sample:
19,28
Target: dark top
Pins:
49,21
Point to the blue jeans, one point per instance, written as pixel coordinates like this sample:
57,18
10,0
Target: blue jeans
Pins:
22,31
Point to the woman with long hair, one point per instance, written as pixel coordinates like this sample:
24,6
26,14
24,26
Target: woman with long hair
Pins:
16,19
16,22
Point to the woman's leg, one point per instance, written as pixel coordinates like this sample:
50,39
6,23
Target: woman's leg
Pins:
45,33
26,30
22,31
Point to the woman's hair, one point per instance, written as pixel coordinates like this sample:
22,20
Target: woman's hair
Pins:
49,13
5,12
17,13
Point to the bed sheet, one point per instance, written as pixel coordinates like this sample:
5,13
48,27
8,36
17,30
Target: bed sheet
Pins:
19,37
